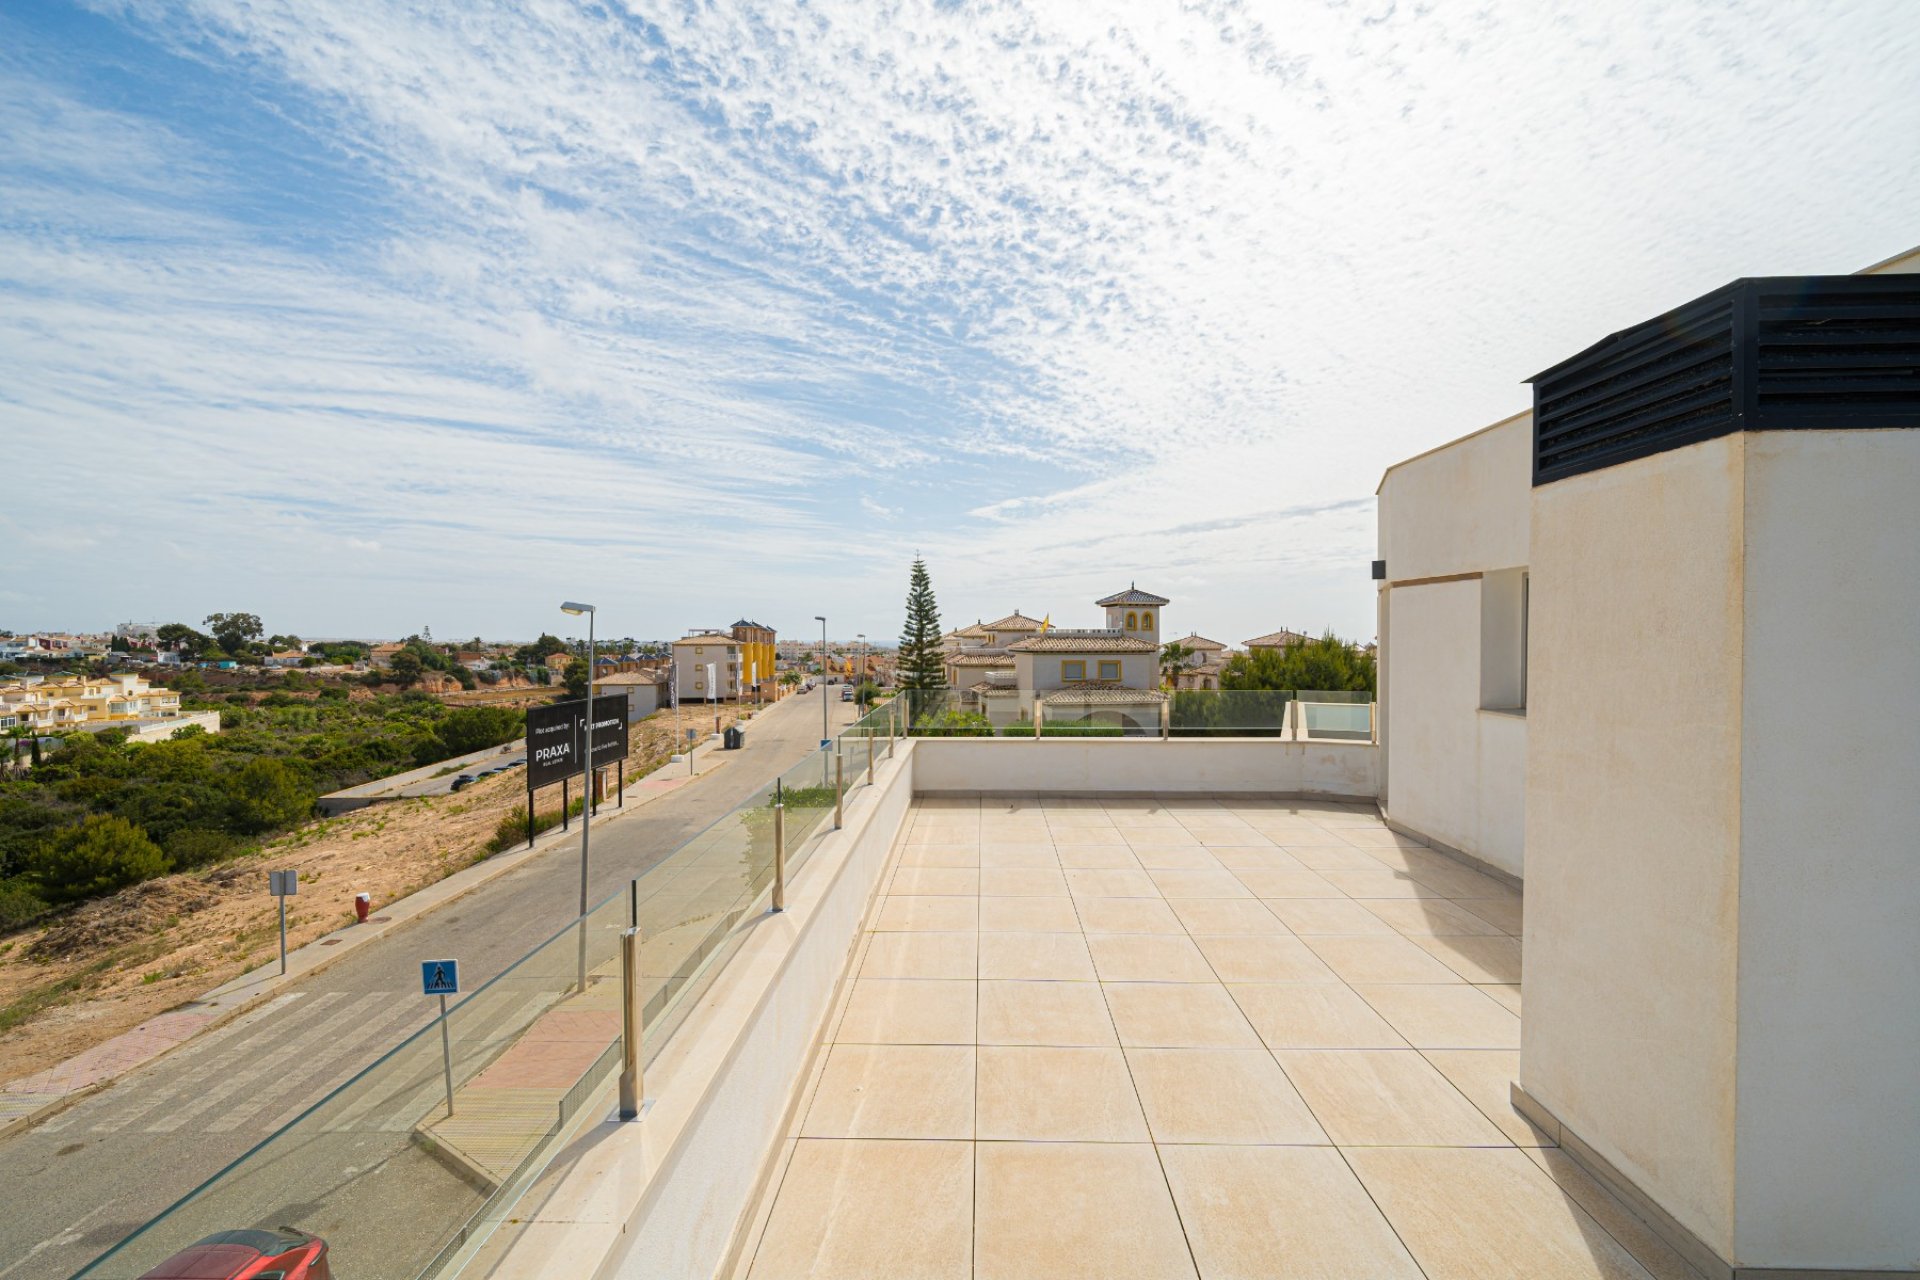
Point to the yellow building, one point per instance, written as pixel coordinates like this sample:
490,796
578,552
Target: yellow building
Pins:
756,657
73,701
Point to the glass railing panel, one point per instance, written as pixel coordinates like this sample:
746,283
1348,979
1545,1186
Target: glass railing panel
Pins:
1231,713
1338,715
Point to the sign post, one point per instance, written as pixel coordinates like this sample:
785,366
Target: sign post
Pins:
283,885
442,978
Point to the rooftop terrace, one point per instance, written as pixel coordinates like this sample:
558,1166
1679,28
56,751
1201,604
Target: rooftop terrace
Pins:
1178,1037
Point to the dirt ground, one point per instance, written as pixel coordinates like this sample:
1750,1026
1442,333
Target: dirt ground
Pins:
114,962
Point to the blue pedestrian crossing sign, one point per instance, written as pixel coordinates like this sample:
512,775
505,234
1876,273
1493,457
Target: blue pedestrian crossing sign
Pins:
440,977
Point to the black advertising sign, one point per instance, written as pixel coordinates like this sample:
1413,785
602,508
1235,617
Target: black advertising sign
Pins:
554,736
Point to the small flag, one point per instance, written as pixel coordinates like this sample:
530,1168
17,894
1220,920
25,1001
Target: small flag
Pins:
1046,623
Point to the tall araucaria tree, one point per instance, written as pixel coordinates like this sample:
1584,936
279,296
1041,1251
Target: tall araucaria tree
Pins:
921,668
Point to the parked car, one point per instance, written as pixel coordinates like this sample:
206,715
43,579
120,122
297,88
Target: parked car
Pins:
464,780
846,693
283,1254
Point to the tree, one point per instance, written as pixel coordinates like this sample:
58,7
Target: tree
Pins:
406,667
267,794
1173,656
920,666
476,728
1328,664
180,636
101,854
576,678
535,654
236,632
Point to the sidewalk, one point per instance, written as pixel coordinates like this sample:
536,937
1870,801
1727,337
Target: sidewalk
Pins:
31,1098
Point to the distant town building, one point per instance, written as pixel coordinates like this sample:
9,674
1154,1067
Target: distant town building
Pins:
1277,640
758,656
1020,666
706,666
73,703
645,691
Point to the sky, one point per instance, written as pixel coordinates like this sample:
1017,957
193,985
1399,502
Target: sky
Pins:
368,317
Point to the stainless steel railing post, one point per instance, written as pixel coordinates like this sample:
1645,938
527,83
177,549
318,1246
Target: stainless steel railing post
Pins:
632,1028
779,857
839,789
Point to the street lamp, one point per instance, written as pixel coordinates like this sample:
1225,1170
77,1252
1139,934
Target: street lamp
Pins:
826,736
586,810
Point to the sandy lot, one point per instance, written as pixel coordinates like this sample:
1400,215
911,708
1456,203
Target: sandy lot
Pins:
109,965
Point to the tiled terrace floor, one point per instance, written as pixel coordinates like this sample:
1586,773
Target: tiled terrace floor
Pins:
1163,1038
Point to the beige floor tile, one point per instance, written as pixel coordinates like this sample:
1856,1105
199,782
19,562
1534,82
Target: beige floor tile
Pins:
1261,957
1468,1214
1049,1094
1148,957
908,1011
944,833
1313,1015
1028,915
1035,957
894,1091
1144,837
1022,882
1648,1249
1073,1211
1289,831
1047,1013
1477,959
923,914
1389,958
1384,883
1226,915
1214,882
1455,881
1502,913
1097,857
939,855
1110,836
1443,1015
935,881
1127,915
1059,819
1307,916
1332,857
1385,1097
1247,838
1245,858
853,1210
1264,882
1380,838
1220,1096
1508,994
1111,884
1433,917
1019,857
1176,857
1486,1077
1281,1213
921,955
1178,1015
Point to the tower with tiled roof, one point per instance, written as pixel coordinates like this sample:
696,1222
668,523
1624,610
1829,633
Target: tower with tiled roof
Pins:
1134,613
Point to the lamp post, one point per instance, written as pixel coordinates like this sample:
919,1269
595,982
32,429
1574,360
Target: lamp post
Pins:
586,808
825,736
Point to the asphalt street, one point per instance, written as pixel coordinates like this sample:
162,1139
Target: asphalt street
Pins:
79,1182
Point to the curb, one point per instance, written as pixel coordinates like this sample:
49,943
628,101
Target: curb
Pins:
267,977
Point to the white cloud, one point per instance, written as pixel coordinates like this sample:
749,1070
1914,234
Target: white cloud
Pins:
1149,292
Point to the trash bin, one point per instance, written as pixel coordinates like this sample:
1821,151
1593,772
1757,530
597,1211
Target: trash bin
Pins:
734,738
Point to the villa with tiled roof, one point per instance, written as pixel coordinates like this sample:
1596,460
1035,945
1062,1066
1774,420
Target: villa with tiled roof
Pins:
1277,639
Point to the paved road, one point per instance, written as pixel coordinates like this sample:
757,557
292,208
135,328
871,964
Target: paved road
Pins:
78,1183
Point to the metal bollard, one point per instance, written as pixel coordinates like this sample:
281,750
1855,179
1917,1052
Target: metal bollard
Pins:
632,1024
891,718
869,757
839,789
779,857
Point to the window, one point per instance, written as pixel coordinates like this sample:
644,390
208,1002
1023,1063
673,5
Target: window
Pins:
1146,620
1073,670
1133,622
1109,670
699,648
1503,640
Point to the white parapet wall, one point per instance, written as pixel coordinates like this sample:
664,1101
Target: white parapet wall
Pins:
668,1195
1146,766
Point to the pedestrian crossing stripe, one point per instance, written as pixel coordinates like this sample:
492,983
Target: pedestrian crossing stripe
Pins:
440,977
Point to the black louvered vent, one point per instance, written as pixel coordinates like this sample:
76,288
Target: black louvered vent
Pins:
1757,355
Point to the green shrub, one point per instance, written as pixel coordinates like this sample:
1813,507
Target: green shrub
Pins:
100,855
19,904
513,825
193,847
269,793
953,723
1081,730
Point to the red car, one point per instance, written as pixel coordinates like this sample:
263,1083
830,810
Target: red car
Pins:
284,1254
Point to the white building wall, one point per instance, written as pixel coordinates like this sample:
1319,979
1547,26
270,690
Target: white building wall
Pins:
1633,821
1454,532
1828,1137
